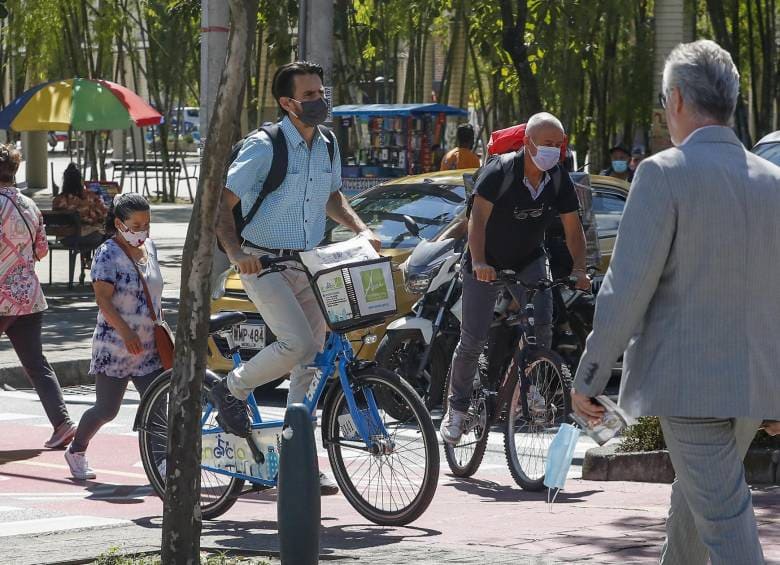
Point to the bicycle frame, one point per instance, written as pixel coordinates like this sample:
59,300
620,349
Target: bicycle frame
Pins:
337,355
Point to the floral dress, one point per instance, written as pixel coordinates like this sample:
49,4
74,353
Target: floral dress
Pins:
20,289
109,352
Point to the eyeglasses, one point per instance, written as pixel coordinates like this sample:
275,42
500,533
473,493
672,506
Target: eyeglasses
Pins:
662,100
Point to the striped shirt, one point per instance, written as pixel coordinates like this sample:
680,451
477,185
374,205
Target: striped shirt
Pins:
293,216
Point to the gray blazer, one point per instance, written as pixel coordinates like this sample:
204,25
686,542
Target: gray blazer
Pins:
693,291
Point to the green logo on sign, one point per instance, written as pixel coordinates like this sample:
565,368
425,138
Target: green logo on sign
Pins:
374,285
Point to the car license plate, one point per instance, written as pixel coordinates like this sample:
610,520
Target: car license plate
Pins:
249,336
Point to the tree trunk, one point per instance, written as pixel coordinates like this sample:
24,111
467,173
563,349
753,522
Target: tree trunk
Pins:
513,41
182,518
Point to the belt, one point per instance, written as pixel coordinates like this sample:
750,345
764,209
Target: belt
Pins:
274,251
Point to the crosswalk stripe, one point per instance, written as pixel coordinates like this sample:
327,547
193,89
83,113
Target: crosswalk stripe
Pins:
66,468
42,525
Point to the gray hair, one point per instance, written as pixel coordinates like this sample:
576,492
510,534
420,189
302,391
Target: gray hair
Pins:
706,78
543,119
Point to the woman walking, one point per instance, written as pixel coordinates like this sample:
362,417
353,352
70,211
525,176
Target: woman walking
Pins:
22,243
123,345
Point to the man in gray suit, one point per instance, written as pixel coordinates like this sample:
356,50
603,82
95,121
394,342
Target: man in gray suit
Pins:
691,296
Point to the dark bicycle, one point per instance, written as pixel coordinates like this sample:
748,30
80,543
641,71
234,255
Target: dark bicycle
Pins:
526,392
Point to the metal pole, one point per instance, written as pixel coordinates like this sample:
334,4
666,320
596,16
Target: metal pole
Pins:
298,500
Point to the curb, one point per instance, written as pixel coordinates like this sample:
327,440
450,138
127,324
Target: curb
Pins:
762,466
69,373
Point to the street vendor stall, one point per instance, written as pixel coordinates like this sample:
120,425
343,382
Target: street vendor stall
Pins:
384,141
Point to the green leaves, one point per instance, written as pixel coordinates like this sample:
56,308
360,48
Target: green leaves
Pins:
3,9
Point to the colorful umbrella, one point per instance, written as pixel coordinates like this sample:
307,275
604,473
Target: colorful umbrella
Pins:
80,104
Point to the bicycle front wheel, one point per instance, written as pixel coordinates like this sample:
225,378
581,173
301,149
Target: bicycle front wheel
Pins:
391,481
540,403
218,492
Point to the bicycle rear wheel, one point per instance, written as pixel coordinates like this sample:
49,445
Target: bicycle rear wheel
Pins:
392,481
540,403
218,493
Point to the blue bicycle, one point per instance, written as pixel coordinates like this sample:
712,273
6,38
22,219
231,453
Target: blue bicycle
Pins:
379,436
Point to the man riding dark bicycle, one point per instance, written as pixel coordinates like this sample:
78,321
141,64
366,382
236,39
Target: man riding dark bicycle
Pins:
506,231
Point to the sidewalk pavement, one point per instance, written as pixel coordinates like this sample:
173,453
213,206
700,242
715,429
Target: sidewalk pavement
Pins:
70,320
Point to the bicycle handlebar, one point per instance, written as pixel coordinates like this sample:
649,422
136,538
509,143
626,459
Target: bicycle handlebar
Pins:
511,277
267,261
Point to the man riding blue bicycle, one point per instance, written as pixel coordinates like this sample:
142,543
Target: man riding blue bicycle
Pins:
289,220
516,198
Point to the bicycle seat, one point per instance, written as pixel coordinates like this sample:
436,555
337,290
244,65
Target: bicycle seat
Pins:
225,320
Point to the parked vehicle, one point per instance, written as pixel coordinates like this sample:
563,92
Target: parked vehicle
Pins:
769,148
435,201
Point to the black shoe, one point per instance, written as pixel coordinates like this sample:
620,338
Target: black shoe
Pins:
231,412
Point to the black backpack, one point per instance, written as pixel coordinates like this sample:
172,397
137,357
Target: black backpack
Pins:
276,173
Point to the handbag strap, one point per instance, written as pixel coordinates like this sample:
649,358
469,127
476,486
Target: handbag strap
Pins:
149,302
29,230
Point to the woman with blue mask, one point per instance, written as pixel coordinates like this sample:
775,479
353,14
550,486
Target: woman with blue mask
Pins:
619,169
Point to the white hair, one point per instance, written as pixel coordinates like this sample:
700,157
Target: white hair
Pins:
543,119
706,78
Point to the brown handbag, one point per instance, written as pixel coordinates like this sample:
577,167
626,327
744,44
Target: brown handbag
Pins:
163,336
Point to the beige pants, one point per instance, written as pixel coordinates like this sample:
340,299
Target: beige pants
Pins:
290,310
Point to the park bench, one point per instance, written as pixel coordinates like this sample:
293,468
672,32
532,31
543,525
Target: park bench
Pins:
60,224
146,170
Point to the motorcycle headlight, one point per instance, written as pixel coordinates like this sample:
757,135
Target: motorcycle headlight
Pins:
418,283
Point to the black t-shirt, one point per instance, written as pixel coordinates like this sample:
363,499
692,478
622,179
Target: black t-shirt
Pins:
516,227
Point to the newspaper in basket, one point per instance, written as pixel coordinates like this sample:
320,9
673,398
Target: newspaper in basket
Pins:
353,284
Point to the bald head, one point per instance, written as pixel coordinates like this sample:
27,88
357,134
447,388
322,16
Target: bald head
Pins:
543,120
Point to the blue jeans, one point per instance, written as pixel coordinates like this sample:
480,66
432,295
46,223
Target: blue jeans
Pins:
479,299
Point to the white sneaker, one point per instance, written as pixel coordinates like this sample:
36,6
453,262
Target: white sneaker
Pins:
79,466
452,426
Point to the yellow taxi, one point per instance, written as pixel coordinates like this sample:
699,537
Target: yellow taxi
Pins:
434,201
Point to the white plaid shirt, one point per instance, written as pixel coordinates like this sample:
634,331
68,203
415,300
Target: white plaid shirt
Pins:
293,216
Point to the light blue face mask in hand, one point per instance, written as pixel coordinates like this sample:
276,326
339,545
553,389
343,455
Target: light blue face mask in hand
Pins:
559,457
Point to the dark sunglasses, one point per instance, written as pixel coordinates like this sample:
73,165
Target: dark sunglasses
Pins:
662,100
525,214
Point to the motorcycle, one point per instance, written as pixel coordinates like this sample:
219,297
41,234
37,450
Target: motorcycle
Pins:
419,346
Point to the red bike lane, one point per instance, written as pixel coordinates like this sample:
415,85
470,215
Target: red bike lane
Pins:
614,521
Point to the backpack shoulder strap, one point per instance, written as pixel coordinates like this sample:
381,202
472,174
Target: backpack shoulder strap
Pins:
508,169
278,169
331,141
556,177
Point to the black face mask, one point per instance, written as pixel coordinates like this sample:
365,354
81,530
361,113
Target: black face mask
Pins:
314,113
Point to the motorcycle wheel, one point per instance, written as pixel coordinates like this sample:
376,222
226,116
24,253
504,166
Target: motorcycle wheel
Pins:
400,351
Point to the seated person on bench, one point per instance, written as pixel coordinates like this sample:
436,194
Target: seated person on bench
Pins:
90,207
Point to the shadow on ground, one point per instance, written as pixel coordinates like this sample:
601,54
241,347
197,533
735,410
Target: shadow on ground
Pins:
263,535
504,493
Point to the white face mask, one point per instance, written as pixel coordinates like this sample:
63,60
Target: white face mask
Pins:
134,238
546,157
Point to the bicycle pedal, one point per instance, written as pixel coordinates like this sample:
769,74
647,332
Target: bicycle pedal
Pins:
256,451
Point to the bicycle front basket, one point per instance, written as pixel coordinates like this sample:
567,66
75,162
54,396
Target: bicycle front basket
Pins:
356,295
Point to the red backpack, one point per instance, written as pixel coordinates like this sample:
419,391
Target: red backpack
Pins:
512,139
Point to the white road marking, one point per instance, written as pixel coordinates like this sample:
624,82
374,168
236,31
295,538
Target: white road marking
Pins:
66,468
26,527
10,416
